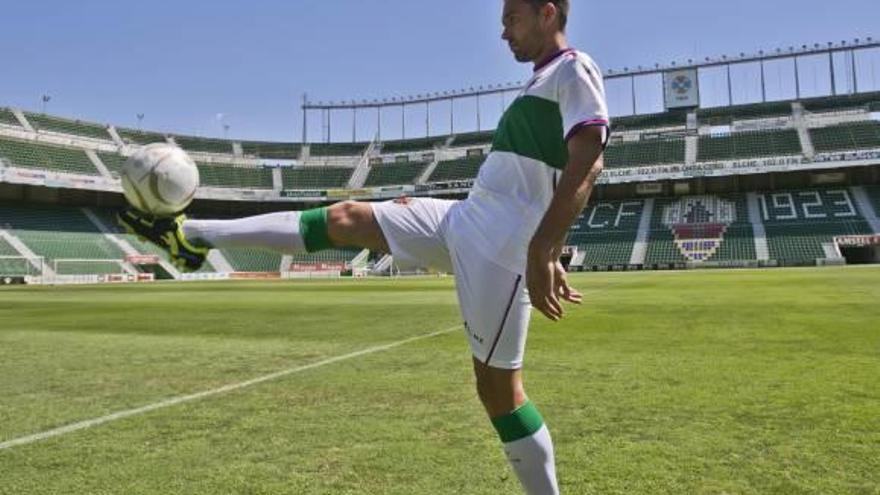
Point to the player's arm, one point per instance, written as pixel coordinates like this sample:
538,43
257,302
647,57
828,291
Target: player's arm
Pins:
545,277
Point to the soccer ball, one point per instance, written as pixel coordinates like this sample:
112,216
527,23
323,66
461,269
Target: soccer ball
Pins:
160,179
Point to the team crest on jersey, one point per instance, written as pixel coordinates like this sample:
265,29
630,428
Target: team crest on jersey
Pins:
699,224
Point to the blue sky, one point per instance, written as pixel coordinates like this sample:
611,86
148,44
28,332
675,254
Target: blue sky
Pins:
185,63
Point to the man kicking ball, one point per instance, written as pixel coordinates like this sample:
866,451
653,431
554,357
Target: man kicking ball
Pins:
503,242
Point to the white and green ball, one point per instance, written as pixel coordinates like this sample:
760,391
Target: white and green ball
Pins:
160,179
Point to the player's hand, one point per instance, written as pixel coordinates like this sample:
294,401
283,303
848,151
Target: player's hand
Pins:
563,289
546,284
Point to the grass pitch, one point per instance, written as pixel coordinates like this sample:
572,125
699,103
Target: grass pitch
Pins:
702,382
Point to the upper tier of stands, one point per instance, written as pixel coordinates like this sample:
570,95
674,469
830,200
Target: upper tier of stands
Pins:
282,151
461,169
204,145
850,136
229,176
749,145
41,122
388,174
8,118
132,136
34,155
726,115
315,177
648,152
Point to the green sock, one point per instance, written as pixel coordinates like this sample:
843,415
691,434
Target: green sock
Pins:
313,229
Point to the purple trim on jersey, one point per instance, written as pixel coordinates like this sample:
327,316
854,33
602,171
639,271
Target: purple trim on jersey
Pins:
544,63
589,123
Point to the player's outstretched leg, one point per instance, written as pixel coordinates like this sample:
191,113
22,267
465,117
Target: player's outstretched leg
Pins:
345,224
520,426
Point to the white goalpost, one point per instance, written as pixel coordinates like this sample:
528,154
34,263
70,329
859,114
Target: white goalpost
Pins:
21,266
74,266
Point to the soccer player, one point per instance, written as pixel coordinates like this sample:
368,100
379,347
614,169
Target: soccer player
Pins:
503,242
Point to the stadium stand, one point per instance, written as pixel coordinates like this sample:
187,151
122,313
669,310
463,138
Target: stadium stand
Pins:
204,145
10,262
753,144
8,118
800,223
113,162
672,118
328,256
717,227
315,177
281,151
461,169
252,260
473,138
57,233
850,136
337,149
235,177
412,145
394,174
606,232
34,155
647,152
132,136
837,103
41,122
726,115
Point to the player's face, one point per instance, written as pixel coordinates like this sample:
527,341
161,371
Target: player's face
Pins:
522,30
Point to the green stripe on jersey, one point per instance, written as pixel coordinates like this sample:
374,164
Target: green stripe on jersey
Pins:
522,423
532,127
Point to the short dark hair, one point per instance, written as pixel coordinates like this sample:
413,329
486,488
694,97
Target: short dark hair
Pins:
562,7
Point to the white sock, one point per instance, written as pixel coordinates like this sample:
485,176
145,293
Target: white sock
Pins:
279,232
532,460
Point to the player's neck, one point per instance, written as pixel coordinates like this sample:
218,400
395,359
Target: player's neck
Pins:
551,50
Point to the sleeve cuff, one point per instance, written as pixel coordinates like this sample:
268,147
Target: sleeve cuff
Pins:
590,123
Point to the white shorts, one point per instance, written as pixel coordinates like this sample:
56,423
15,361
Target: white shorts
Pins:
493,300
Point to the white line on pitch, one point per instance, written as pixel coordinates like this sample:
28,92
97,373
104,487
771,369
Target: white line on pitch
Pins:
89,423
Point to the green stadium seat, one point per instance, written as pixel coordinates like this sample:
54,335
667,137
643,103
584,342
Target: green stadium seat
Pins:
252,260
843,102
754,144
672,118
480,138
726,115
796,239
132,136
737,239
844,137
57,233
646,152
29,154
412,145
337,149
606,232
204,145
394,174
461,169
42,122
8,118
234,177
315,177
113,162
281,151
